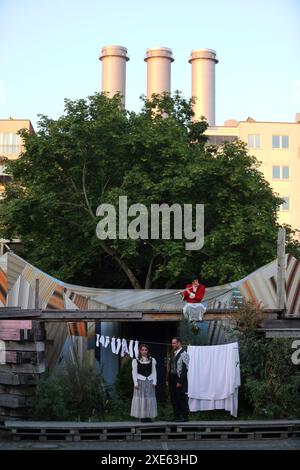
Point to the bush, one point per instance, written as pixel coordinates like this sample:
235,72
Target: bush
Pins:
270,386
71,392
270,381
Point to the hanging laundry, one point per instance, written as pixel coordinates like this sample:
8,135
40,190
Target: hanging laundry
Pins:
131,353
118,345
136,349
100,339
214,377
113,345
124,348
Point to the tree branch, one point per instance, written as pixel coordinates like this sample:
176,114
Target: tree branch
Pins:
85,193
148,281
134,281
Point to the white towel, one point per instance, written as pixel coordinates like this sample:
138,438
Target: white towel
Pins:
214,377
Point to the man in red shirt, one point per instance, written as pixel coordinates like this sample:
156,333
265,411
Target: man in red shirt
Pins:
193,294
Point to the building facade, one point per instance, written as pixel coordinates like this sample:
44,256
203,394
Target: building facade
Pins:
10,144
276,145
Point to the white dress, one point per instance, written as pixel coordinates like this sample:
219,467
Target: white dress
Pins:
144,403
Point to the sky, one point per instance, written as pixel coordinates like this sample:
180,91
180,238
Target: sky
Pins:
49,51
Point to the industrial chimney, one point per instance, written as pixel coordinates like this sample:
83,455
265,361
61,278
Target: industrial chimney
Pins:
158,70
114,60
203,83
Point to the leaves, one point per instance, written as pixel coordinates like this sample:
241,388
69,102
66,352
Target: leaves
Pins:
96,152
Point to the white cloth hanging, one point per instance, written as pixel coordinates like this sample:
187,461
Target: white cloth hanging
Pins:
113,345
136,349
131,353
214,377
118,345
100,339
107,341
124,348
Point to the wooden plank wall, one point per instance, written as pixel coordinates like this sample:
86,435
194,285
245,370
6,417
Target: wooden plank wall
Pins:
24,365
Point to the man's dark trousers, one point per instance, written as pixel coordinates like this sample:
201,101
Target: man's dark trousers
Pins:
179,398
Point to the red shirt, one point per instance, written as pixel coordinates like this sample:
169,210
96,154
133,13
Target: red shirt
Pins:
199,293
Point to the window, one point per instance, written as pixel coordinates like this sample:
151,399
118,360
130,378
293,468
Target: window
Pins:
280,172
286,205
220,139
280,141
254,141
9,143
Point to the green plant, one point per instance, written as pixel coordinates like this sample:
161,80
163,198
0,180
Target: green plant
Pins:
71,392
250,316
270,381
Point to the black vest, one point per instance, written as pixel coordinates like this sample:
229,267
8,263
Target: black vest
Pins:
144,369
173,363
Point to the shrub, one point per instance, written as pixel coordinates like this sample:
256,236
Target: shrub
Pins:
71,392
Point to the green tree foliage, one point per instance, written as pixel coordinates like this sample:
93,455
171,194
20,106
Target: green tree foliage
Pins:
270,381
71,392
96,152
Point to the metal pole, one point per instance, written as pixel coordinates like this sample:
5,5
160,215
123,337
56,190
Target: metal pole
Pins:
281,271
36,294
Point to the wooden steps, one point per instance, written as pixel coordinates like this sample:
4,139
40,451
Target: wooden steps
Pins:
163,430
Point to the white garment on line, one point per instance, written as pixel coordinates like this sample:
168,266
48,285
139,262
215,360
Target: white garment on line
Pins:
124,348
97,340
107,341
136,349
194,312
131,348
214,377
113,345
118,345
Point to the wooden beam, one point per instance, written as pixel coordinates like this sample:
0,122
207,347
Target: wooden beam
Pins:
282,333
116,315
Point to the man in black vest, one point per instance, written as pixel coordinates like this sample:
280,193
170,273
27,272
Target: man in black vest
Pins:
177,380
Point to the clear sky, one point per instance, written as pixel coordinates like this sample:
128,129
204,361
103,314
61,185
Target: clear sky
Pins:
49,51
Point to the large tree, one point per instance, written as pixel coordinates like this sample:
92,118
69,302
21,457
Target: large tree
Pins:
98,151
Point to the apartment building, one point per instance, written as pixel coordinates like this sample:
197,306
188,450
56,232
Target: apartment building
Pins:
276,145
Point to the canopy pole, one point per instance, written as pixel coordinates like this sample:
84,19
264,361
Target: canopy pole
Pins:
281,269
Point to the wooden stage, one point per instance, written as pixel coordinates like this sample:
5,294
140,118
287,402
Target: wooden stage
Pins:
161,430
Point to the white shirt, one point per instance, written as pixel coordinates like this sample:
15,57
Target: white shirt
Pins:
177,351
136,376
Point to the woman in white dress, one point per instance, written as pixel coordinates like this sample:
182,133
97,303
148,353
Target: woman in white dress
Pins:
144,405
